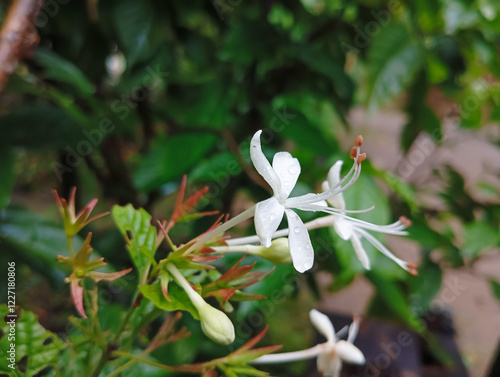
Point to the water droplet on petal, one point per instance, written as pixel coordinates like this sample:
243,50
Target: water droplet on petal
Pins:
296,229
272,216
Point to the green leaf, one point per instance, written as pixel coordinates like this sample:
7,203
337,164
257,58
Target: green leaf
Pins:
459,15
7,175
320,62
393,59
218,168
40,126
36,239
398,186
478,236
425,286
59,69
394,298
179,300
135,226
171,157
39,346
134,22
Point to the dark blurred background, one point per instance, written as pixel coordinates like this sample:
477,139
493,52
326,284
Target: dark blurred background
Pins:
122,98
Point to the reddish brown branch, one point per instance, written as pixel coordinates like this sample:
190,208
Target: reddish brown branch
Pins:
18,35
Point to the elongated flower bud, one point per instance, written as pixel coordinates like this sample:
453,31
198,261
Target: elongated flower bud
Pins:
277,253
216,324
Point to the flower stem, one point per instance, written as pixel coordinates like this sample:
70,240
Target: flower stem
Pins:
289,356
139,359
69,242
250,249
181,280
221,229
320,222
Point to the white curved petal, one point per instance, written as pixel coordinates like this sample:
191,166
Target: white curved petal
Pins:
353,331
323,324
349,352
329,364
296,202
268,216
261,164
343,227
299,242
333,179
360,251
288,170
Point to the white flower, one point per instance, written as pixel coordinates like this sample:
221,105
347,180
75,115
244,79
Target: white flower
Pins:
330,354
349,228
282,177
335,351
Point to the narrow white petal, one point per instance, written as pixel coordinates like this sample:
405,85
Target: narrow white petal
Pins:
299,242
262,165
343,227
349,352
353,331
360,251
334,173
288,170
329,365
333,179
268,216
323,324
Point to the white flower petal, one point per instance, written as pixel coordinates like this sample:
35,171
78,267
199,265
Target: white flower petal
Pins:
299,242
268,216
333,179
349,352
343,227
360,251
353,331
262,165
323,324
329,364
288,170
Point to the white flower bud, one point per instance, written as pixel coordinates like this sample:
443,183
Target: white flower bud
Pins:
216,324
277,253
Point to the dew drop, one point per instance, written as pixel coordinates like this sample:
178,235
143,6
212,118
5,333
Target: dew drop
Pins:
272,216
296,229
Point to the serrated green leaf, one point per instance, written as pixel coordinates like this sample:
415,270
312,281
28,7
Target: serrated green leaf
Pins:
179,300
135,225
41,347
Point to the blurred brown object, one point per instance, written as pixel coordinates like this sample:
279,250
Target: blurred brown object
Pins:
394,351
18,35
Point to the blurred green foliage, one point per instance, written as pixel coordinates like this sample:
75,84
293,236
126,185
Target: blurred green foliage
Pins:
123,97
